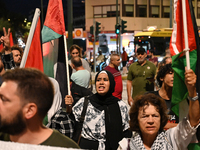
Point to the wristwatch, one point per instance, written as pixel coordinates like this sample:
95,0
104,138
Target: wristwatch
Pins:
193,98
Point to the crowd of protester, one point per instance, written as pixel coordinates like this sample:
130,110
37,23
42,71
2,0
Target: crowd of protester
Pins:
31,105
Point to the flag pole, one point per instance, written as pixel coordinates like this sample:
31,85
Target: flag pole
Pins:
30,37
68,107
183,106
185,34
67,67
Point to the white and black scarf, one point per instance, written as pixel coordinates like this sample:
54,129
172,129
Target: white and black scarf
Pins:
159,143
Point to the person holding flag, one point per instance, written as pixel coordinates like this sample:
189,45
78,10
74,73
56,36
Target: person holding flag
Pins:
184,48
148,118
54,28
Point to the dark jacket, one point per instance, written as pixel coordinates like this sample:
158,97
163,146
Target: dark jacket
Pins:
78,92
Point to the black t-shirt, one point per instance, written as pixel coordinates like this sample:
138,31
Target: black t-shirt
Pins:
173,118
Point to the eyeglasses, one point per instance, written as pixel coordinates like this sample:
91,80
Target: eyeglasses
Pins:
140,53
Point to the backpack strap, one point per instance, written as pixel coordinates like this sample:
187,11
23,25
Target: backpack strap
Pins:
82,118
85,104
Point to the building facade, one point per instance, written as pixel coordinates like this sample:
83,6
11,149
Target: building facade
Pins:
139,14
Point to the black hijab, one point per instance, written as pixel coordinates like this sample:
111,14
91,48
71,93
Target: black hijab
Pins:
113,118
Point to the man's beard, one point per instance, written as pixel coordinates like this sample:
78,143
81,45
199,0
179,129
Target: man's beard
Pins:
17,63
140,61
14,127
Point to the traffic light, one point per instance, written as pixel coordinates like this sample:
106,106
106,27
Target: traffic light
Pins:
117,28
97,38
124,26
98,28
91,30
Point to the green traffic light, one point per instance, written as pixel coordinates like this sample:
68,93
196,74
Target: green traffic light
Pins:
117,28
117,31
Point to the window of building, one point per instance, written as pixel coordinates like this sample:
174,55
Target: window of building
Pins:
105,11
166,12
141,11
154,11
98,11
128,11
198,12
198,9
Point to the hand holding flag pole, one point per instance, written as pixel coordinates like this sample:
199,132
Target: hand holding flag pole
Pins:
54,27
68,107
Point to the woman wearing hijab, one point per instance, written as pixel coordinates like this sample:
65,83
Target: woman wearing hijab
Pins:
106,119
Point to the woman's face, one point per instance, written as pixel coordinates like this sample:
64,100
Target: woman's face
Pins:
102,84
149,121
169,79
74,53
168,61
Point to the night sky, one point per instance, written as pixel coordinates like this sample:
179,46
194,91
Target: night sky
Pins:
24,7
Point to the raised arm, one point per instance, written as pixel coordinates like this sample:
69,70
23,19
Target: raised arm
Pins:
6,40
194,112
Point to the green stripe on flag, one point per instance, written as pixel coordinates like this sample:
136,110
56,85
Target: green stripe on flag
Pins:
48,34
179,91
194,146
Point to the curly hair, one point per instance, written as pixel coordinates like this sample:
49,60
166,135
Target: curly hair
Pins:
16,47
162,72
146,100
74,46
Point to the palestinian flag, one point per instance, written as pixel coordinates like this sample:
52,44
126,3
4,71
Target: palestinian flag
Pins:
55,64
34,58
177,46
54,25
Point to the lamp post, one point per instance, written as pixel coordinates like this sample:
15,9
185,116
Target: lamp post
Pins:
117,22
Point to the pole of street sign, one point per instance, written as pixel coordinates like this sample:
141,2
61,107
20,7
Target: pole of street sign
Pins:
120,38
94,58
117,21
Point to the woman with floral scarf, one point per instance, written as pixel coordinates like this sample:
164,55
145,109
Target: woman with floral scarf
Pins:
148,116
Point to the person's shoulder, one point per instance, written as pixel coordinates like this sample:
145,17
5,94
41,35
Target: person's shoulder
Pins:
150,63
84,61
107,68
153,92
60,140
122,103
133,64
86,71
79,103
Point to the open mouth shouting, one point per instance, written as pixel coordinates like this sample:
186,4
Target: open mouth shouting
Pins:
102,84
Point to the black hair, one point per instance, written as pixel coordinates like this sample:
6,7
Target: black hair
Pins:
152,51
162,72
